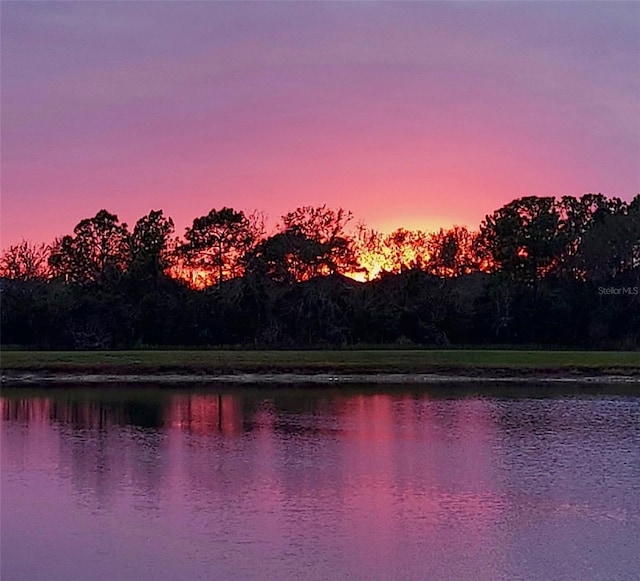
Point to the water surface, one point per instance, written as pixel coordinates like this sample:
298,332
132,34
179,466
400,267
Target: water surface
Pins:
347,483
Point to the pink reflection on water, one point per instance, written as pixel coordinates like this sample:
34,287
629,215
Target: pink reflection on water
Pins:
387,476
410,463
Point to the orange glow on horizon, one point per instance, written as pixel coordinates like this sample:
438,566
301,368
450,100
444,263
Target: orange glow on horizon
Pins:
394,254
194,277
445,253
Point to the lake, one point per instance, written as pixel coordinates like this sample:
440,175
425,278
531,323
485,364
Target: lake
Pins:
291,483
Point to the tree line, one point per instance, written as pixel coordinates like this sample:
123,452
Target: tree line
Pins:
539,270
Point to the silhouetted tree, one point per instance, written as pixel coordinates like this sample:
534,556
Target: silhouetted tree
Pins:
611,244
453,252
524,238
368,250
99,249
150,243
326,227
24,261
534,274
289,257
217,243
576,218
404,250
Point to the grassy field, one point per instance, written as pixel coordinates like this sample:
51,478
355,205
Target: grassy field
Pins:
348,361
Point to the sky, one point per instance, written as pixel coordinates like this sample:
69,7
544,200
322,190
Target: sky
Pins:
418,114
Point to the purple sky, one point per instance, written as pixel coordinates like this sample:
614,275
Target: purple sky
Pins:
420,114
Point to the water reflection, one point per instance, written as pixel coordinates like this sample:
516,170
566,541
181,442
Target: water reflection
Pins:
283,483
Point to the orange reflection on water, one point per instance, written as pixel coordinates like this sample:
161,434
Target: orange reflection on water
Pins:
27,410
206,414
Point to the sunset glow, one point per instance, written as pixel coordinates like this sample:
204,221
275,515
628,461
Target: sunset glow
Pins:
411,115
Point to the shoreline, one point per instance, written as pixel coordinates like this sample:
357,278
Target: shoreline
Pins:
19,378
317,367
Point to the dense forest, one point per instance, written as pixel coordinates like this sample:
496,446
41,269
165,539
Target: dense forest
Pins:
546,271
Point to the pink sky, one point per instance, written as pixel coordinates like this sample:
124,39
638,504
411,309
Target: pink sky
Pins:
408,114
